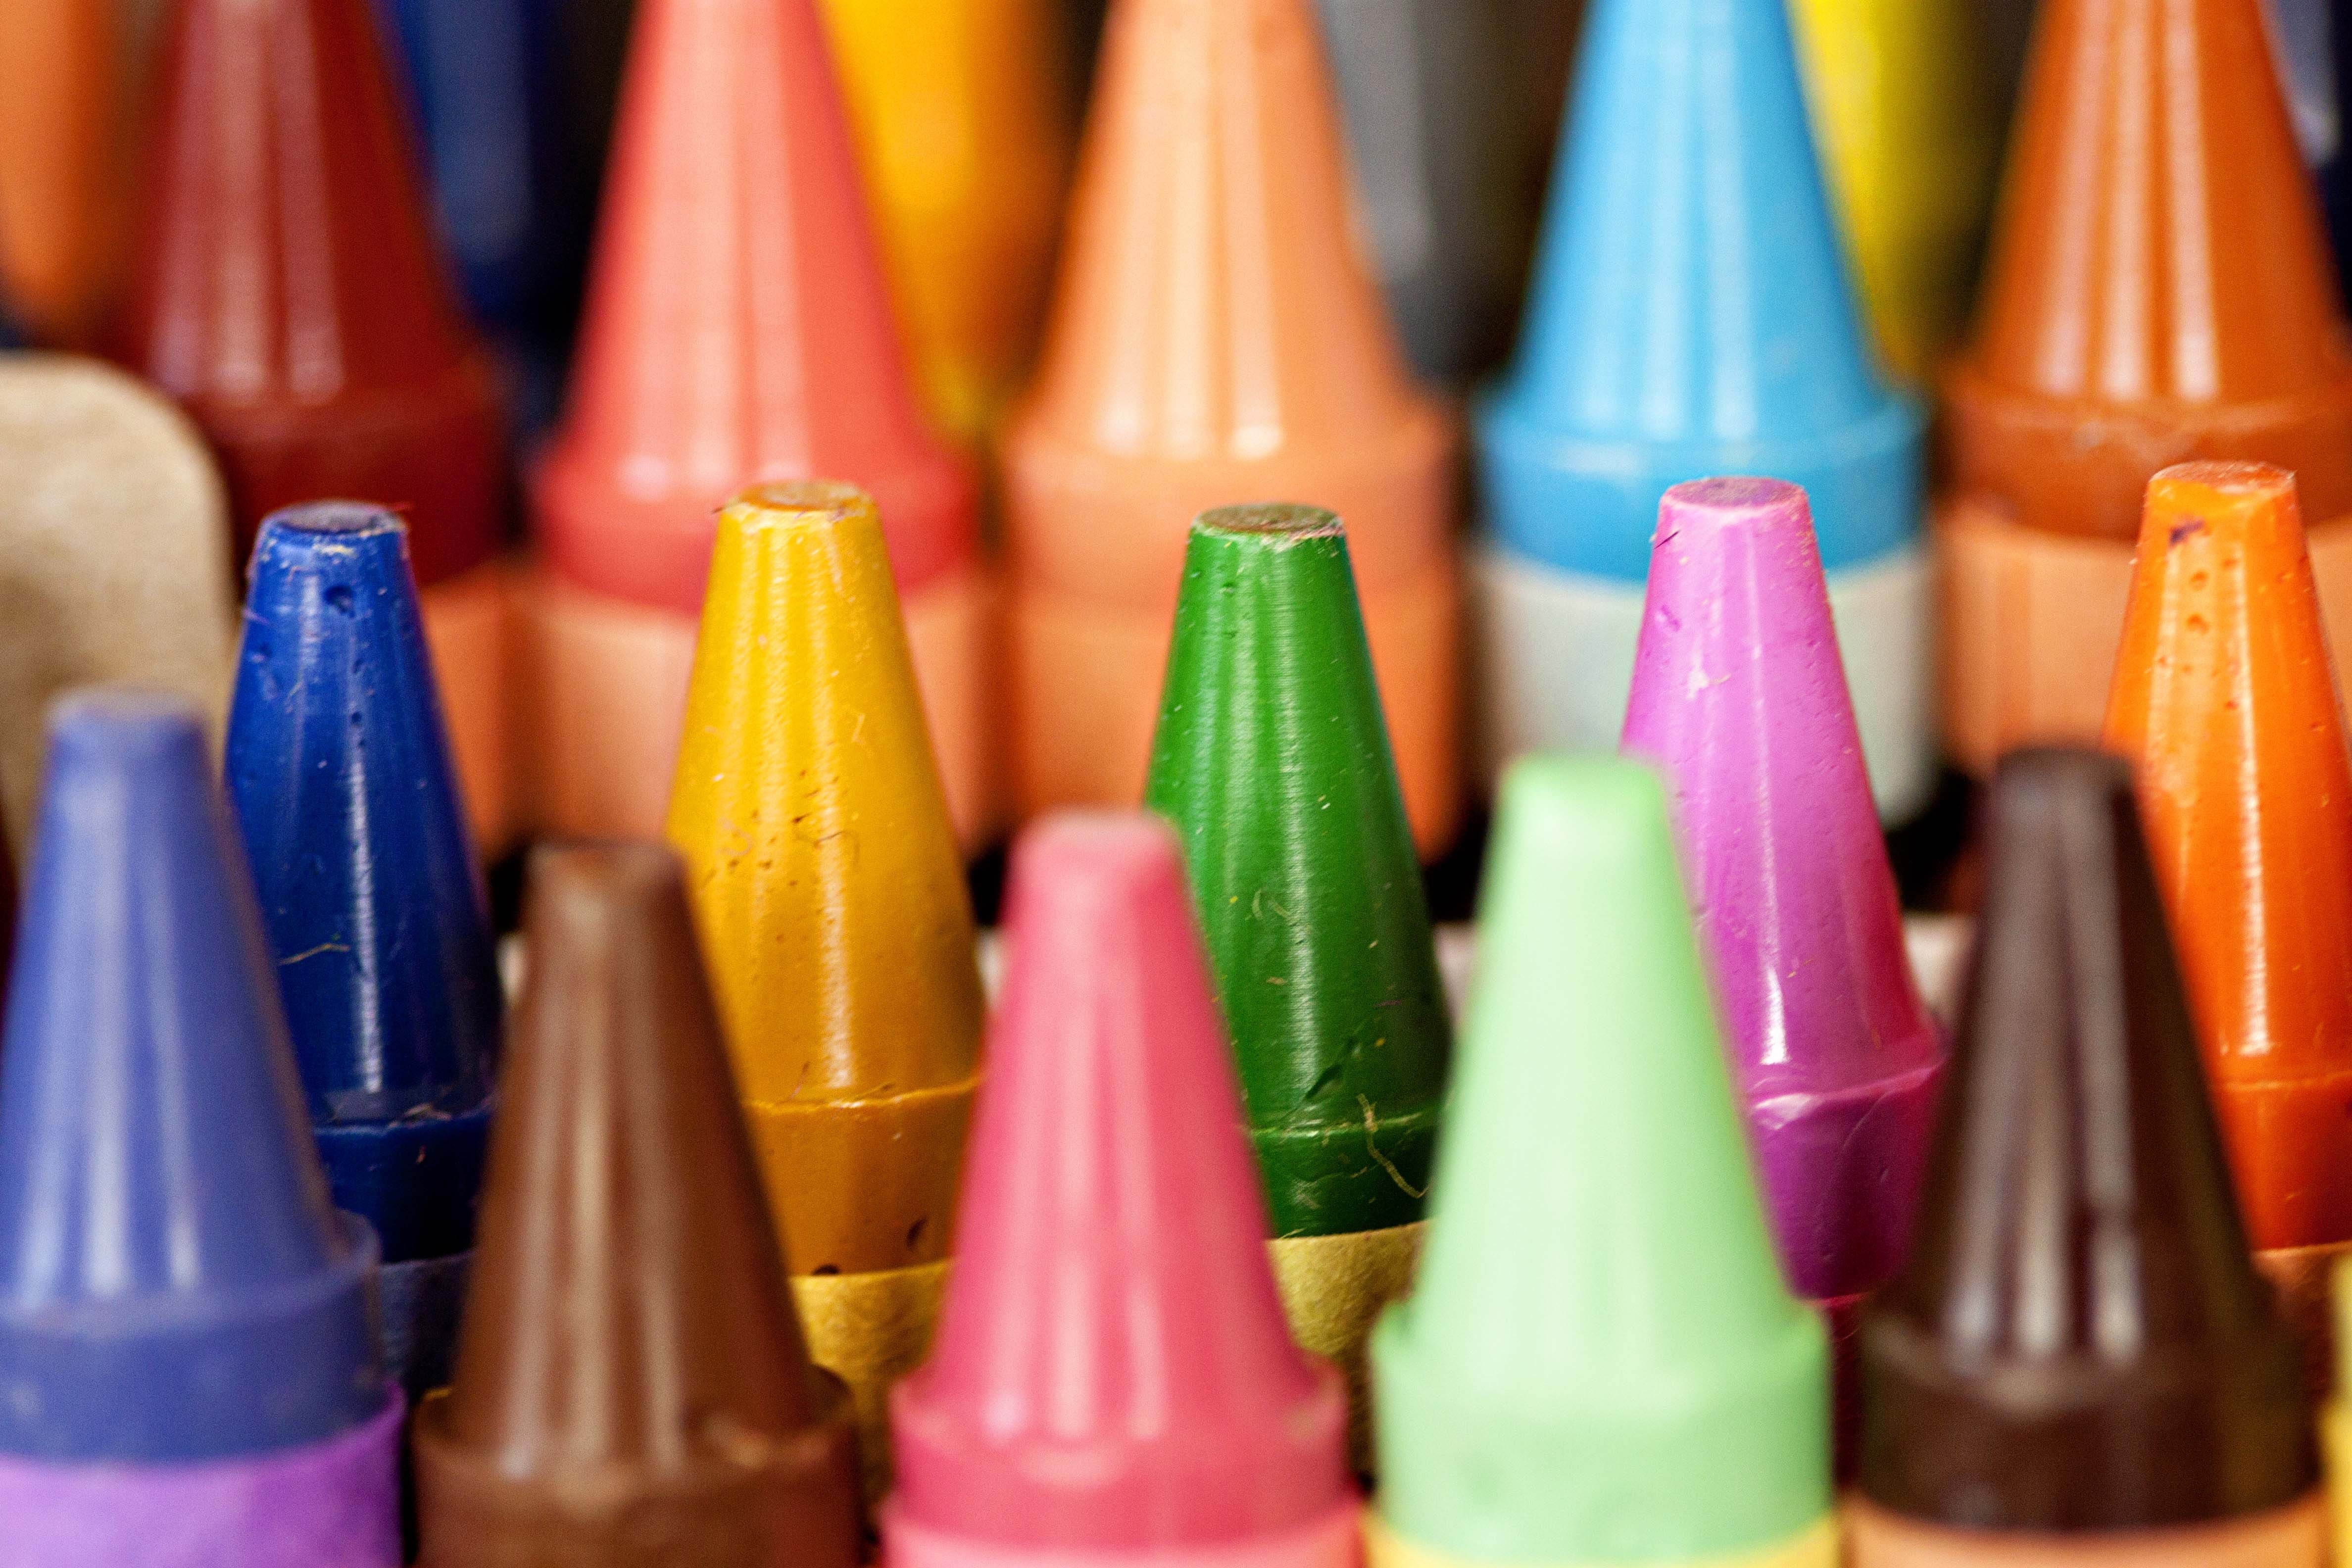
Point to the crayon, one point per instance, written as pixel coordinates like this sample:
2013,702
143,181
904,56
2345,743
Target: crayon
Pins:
1692,315
833,910
1906,118
1739,700
65,75
1273,763
1216,338
738,329
287,290
1600,1363
115,530
631,1390
1114,1384
371,900
2303,46
2158,292
2336,1427
186,1325
1440,166
2079,1365
2224,696
961,117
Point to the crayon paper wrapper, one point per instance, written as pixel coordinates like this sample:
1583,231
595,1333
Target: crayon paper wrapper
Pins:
869,1331
1816,1548
1333,1288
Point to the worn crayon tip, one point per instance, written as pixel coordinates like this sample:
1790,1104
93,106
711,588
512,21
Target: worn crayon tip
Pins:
1739,699
174,1286
631,1382
1112,1372
1600,1361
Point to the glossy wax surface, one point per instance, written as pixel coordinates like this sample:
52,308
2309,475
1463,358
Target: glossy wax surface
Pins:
2224,696
174,1284
1113,1371
2080,1342
371,888
827,883
287,288
1739,699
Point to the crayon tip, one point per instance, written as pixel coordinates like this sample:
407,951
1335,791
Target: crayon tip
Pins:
827,883
2224,696
1112,1370
370,892
1739,699
632,1383
1600,1363
174,1284
2079,1341
1272,759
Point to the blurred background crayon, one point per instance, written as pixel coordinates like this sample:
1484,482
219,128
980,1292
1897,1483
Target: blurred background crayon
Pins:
632,1391
186,1325
2079,1364
1691,313
68,127
1114,1382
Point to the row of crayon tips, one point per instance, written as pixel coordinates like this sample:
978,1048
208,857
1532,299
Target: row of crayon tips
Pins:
854,240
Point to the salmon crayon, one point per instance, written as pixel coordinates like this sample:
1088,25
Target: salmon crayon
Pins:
2079,1366
1691,314
1273,762
1113,1383
66,122
371,900
632,1391
287,291
1600,1363
832,910
2159,291
186,1325
738,328
1216,339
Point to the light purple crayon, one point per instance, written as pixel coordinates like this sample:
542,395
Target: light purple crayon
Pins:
1740,698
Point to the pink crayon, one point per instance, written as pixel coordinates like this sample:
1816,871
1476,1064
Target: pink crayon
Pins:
1113,1382
1740,699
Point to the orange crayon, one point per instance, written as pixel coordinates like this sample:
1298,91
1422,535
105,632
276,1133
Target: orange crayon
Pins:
1216,338
2224,696
65,72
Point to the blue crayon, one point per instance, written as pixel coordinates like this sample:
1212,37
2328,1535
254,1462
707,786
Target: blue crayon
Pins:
1692,315
186,1324
372,898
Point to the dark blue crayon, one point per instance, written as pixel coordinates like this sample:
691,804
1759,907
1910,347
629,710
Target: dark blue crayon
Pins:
188,1368
372,898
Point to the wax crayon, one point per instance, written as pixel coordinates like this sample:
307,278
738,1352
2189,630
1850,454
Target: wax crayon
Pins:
738,328
2303,48
65,75
286,289
1600,1363
187,1328
833,908
372,898
1114,1384
633,1390
1216,338
2079,1364
1692,314
1907,121
963,121
115,533
1439,165
2158,292
1740,700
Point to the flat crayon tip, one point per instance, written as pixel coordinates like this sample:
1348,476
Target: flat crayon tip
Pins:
2080,1341
1112,1369
174,1284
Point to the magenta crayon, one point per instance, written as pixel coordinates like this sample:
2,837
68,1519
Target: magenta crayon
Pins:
1113,1384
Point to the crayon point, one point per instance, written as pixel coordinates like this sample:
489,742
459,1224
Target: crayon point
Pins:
1112,1377
1691,314
2079,1343
1740,700
1600,1361
1215,337
371,900
632,1386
